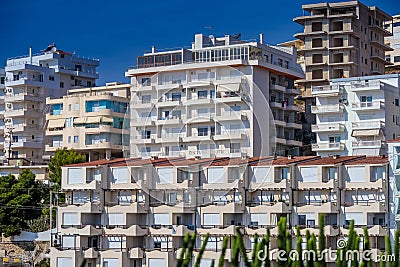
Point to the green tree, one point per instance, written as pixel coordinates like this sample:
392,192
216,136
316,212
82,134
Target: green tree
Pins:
396,248
20,202
321,239
282,244
63,157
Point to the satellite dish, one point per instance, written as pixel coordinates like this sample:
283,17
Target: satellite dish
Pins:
53,49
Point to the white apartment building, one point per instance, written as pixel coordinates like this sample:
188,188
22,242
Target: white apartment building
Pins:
2,107
135,212
93,121
29,80
393,41
212,100
356,116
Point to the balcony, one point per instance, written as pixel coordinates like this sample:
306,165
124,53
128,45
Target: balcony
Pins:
135,253
280,140
143,121
323,109
328,127
23,112
171,138
84,207
26,81
278,87
232,116
268,207
169,103
144,139
327,90
170,120
145,104
291,142
91,253
23,97
199,118
365,206
230,153
228,99
127,207
231,135
321,207
368,144
368,106
328,147
365,125
296,125
200,153
102,144
197,101
197,137
174,230
293,91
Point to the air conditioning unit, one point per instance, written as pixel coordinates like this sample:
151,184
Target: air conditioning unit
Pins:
9,105
9,90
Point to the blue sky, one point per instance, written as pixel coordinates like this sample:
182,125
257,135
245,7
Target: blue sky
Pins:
118,31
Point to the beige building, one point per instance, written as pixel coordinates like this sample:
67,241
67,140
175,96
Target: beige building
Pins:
93,121
135,212
394,42
222,97
342,40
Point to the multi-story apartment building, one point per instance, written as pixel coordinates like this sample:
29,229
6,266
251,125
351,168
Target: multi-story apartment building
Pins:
2,107
135,212
394,184
212,100
356,116
29,80
93,121
394,42
342,40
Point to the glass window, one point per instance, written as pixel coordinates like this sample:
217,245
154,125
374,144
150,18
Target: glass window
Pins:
202,131
76,139
202,94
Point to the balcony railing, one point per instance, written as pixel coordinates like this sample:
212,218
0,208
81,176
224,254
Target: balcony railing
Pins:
328,146
327,108
368,125
376,143
369,105
327,89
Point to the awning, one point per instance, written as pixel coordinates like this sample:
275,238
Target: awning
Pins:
233,87
373,132
79,120
107,119
56,123
93,120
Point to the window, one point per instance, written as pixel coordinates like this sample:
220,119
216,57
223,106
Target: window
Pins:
146,99
157,263
15,138
202,94
258,219
316,26
61,84
215,175
110,263
234,147
284,173
75,176
332,173
64,262
397,59
356,174
114,241
202,131
211,219
51,78
261,175
80,197
120,175
76,139
317,58
70,218
76,107
356,216
116,219
161,219
78,67
334,139
146,81
165,175
68,241
316,42
309,174
396,102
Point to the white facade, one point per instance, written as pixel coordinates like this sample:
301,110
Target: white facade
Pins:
393,41
356,116
29,80
208,100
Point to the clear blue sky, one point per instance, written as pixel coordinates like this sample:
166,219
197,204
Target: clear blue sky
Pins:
117,31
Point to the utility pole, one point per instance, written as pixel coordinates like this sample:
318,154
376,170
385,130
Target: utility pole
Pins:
51,217
10,136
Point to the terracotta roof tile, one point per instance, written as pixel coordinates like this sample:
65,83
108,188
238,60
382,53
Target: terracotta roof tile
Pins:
331,160
369,160
96,162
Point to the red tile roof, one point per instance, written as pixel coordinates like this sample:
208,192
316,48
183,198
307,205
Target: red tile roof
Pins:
331,160
96,162
369,160
397,140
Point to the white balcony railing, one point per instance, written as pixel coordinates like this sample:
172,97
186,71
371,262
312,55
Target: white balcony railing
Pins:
366,144
368,125
327,108
368,105
327,146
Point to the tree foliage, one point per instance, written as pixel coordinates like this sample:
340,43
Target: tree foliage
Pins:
21,200
63,157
